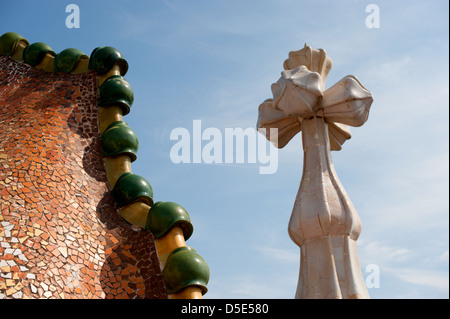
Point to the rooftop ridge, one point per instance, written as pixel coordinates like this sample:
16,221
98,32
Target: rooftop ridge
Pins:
187,273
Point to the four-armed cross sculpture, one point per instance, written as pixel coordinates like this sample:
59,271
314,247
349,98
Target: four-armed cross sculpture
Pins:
324,223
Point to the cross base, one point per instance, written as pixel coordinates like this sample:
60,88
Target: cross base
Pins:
329,269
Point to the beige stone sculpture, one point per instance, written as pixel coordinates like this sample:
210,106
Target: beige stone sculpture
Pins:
324,222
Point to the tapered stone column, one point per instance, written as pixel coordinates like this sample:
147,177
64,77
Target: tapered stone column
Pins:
324,222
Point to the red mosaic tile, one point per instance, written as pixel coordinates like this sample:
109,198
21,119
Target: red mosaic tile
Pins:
60,232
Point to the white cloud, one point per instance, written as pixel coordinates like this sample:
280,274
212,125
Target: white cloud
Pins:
435,279
439,259
406,265
279,254
376,252
272,286
444,257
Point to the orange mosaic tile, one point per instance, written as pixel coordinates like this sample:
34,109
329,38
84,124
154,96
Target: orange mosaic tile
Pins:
60,234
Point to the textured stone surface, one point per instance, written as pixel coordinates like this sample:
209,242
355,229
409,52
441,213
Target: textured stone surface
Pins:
324,222
60,234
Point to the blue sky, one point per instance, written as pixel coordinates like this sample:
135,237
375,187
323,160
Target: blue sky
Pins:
215,61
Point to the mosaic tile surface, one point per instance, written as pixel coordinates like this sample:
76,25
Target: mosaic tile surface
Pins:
60,234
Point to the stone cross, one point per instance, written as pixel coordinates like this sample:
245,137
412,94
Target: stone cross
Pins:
324,222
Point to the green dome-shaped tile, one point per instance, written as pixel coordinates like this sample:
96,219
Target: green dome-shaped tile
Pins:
103,59
116,91
9,42
67,60
119,139
184,268
130,187
165,215
35,52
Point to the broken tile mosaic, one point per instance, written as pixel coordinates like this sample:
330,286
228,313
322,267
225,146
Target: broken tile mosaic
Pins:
60,234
